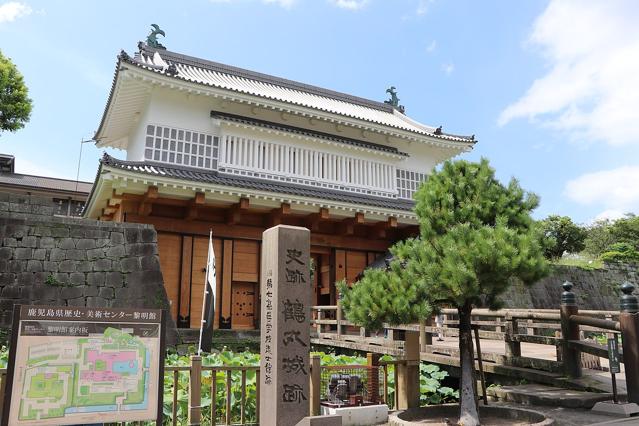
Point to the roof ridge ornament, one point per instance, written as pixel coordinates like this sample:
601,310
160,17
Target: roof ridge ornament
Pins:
152,38
394,100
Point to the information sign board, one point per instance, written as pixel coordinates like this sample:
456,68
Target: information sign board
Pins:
77,365
613,355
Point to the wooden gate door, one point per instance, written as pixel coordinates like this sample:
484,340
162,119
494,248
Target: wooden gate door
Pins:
243,305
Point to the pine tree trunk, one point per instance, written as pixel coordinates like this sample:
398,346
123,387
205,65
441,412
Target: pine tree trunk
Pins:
469,416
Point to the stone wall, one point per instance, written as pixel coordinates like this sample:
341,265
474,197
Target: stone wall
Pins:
595,289
50,260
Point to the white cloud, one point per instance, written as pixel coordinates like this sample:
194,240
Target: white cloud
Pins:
616,190
423,6
431,46
591,89
448,68
286,4
349,4
13,10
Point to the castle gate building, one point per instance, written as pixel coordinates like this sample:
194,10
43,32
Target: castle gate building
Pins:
214,147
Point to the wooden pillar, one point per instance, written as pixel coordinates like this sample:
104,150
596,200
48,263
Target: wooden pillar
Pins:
195,389
570,356
629,322
513,347
407,385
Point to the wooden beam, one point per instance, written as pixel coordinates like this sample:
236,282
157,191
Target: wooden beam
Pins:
347,226
313,220
146,203
275,217
234,214
381,228
195,203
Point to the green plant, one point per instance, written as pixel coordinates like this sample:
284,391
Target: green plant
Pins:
561,235
15,105
52,280
476,235
620,252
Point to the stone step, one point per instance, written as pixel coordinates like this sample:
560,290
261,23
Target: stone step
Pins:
533,394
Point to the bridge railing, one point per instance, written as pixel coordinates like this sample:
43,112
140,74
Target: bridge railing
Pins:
574,334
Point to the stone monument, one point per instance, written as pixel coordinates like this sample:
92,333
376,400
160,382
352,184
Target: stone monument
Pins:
285,324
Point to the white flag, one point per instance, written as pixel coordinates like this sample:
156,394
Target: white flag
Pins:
208,302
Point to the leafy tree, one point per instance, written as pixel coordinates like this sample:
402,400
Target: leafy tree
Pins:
626,230
620,252
15,105
475,236
561,235
598,237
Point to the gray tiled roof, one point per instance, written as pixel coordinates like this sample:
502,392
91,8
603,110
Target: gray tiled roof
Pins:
44,183
213,177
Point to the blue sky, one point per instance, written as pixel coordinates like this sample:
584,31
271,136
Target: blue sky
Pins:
550,88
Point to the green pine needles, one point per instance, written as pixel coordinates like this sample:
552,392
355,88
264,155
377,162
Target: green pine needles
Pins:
476,235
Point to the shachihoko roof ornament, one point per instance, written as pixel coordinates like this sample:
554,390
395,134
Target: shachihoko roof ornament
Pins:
152,38
394,100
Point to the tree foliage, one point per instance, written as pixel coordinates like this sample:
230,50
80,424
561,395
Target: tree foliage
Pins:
620,252
561,235
475,235
605,233
15,105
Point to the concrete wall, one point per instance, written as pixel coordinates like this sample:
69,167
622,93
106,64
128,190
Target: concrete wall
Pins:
595,289
51,260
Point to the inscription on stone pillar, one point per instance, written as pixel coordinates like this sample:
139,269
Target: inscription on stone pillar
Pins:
285,342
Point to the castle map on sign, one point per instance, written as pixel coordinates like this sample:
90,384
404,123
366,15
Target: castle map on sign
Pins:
105,373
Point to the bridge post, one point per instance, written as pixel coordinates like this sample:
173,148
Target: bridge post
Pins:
629,324
372,361
513,347
407,385
570,356
425,339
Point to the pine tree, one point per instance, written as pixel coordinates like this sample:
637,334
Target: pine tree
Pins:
476,235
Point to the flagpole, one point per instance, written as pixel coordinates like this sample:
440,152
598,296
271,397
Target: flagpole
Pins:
206,292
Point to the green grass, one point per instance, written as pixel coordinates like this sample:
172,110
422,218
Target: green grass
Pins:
583,263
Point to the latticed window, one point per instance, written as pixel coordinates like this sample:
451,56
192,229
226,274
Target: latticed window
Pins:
181,147
408,181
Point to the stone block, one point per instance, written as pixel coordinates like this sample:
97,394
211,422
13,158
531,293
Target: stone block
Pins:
6,253
144,278
150,263
132,235
85,244
61,278
7,278
71,292
34,266
65,243
47,242
19,208
67,266
76,254
141,249
84,266
321,421
117,238
148,235
40,277
49,266
78,301
17,231
22,253
98,234
77,279
96,302
130,264
96,253
102,242
102,265
78,232
25,278
10,242
4,265
96,279
115,252
57,254
16,266
40,254
114,279
91,290
11,292
60,232
106,292
30,241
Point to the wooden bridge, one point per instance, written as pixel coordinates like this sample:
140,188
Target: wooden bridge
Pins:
514,343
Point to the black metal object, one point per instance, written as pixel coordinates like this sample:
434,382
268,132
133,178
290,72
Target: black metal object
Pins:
568,297
629,302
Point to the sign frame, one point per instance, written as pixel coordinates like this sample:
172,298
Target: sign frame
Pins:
15,330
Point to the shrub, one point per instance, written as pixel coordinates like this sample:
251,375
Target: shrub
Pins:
620,252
